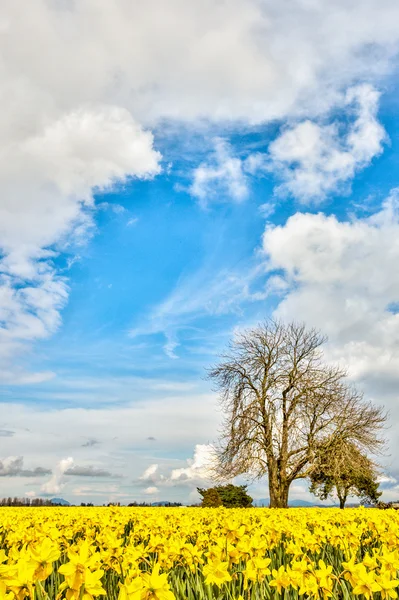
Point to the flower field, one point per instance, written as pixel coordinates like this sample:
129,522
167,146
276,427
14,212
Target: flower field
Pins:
192,553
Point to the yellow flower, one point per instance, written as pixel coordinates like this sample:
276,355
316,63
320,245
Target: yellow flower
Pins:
350,568
92,585
4,595
388,585
156,586
256,569
365,582
131,589
281,579
324,578
22,581
309,585
216,572
370,562
389,560
43,554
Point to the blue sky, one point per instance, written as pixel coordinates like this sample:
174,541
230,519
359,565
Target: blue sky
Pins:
167,179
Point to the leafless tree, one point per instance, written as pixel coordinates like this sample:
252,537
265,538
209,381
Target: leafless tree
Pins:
281,402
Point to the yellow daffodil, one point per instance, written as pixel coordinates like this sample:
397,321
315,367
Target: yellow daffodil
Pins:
132,589
156,586
281,579
388,585
216,572
365,582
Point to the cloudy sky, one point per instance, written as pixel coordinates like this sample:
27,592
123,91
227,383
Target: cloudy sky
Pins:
171,172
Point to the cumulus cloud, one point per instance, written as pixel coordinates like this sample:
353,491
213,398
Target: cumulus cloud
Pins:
13,466
222,176
341,278
54,156
314,160
333,270
150,491
197,470
83,83
150,474
57,481
46,187
241,60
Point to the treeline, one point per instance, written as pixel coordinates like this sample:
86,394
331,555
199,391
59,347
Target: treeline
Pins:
46,502
27,502
157,504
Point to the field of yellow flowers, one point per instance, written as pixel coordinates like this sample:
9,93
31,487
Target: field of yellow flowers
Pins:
193,553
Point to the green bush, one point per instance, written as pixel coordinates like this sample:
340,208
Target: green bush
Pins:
229,496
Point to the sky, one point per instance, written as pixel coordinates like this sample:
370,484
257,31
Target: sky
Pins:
170,174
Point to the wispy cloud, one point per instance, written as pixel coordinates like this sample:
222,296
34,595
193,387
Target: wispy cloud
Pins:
89,471
221,177
90,443
204,293
6,433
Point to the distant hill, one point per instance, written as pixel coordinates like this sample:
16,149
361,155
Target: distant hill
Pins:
60,501
292,503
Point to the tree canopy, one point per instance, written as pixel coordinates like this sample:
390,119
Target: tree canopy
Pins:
340,468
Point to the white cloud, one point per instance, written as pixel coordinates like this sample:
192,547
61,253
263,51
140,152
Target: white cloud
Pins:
82,81
314,159
28,313
221,177
240,60
386,479
57,481
199,468
196,471
341,278
150,474
150,491
176,419
46,185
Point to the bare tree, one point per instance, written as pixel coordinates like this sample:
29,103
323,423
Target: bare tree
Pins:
281,402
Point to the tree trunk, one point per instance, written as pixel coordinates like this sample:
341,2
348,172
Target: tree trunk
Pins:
342,498
278,491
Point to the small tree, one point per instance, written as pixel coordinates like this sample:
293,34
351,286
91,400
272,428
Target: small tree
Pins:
231,496
210,498
340,467
281,403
